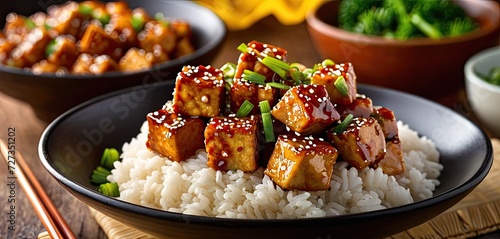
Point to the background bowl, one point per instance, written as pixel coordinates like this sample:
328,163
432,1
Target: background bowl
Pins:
71,147
50,95
426,67
484,97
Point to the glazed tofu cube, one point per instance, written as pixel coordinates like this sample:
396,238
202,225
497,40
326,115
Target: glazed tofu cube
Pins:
121,29
393,162
31,50
173,136
88,64
301,163
136,59
387,120
184,47
361,144
231,143
47,67
17,25
66,19
242,90
96,41
63,51
6,48
362,107
118,7
250,60
327,75
306,109
199,91
157,37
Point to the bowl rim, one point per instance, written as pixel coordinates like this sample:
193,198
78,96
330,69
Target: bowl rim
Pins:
213,43
77,188
471,74
315,22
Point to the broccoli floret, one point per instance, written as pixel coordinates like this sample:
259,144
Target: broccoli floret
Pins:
349,10
403,19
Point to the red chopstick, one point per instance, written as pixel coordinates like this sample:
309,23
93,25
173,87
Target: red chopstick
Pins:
52,220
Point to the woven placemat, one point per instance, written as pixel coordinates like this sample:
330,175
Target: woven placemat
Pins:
476,214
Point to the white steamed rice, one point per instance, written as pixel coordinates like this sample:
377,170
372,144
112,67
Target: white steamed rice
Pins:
191,187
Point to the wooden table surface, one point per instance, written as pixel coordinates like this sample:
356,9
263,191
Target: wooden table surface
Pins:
28,129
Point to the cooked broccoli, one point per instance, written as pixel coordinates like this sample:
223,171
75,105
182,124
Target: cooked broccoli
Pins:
403,19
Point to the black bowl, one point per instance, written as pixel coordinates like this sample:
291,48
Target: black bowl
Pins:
50,95
71,146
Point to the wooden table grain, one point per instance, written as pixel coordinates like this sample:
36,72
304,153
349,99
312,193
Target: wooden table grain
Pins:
28,129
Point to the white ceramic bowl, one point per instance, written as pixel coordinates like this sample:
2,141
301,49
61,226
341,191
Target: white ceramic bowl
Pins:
484,97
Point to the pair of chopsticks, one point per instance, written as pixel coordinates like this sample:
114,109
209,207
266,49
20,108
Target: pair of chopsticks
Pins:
52,220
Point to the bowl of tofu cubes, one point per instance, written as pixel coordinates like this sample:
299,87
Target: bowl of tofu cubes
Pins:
56,54
266,148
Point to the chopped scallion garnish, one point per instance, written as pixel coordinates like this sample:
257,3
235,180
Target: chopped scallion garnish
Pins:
278,66
99,175
267,123
229,69
278,85
244,109
341,85
109,156
265,107
243,48
343,125
254,77
297,75
50,48
109,189
327,62
137,23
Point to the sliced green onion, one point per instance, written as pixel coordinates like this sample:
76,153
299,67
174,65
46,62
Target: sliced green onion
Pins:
278,66
243,48
29,23
229,70
103,17
328,62
343,125
85,9
267,122
254,77
341,85
265,107
244,109
109,189
308,73
99,175
159,16
297,75
50,48
109,156
279,85
137,23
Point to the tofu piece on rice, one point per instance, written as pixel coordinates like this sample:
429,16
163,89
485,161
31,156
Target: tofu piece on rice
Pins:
242,90
361,144
301,163
231,143
174,136
362,106
393,162
199,91
250,60
306,109
327,75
